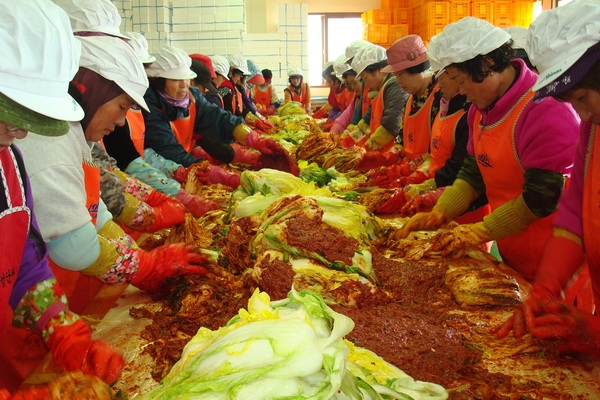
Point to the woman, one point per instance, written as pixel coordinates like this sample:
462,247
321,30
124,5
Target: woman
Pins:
265,97
232,96
339,97
407,60
87,248
564,44
297,90
30,296
386,106
353,85
180,117
519,150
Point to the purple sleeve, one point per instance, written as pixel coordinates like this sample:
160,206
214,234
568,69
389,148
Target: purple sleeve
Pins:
343,120
34,265
546,136
569,215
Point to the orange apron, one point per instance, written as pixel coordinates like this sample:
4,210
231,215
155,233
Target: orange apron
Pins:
237,104
16,360
443,132
80,289
416,133
183,128
137,129
344,99
366,100
302,97
504,178
262,98
591,222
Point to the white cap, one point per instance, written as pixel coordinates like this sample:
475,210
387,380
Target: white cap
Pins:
519,36
559,37
295,71
340,66
366,56
93,16
171,63
464,40
221,65
39,62
238,61
354,47
140,45
115,60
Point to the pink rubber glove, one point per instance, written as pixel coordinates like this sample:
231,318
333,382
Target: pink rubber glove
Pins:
421,203
244,155
263,144
197,205
214,174
199,152
180,174
414,178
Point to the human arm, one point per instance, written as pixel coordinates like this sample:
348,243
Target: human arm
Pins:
159,134
156,171
343,120
287,95
394,99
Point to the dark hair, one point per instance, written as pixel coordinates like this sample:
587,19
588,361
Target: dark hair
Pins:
481,66
328,72
349,72
267,74
376,67
157,83
417,69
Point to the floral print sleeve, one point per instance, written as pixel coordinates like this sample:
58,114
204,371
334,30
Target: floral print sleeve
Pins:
42,308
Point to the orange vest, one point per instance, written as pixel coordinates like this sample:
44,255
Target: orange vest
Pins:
183,128
504,178
344,98
443,133
366,100
302,97
417,127
591,222
377,107
262,98
137,129
80,289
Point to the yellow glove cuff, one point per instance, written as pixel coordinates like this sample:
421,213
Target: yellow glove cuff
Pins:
509,219
122,175
380,138
107,236
362,125
240,132
561,232
131,207
456,199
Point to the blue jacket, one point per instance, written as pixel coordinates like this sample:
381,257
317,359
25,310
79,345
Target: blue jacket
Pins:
211,123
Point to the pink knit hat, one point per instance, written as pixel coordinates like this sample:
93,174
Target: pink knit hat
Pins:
406,52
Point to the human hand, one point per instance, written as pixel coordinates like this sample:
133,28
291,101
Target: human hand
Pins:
376,159
199,152
244,155
423,202
414,178
168,211
393,205
73,349
578,331
263,144
423,221
180,174
457,240
167,260
522,320
214,174
196,205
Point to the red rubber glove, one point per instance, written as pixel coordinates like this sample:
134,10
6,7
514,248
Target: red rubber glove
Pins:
73,349
214,174
180,174
4,394
244,155
199,152
197,205
322,112
263,144
376,159
579,331
421,203
394,204
29,394
270,110
168,260
561,257
414,178
168,211
347,141
388,177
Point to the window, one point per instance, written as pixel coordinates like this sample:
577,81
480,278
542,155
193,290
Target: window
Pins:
328,36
